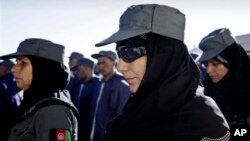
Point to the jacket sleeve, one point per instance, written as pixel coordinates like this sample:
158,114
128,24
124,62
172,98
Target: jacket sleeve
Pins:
52,120
119,97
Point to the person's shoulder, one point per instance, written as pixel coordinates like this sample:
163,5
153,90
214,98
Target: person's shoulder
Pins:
117,77
197,112
119,80
55,106
203,106
94,80
54,109
7,78
54,117
202,102
54,112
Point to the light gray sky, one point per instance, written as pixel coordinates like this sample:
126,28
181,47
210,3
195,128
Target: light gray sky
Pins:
79,24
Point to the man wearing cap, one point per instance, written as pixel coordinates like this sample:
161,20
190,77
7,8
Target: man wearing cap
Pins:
227,75
74,56
167,101
10,94
89,92
46,112
74,85
113,94
5,67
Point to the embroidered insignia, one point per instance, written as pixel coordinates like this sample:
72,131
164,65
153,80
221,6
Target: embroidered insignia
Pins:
226,137
59,135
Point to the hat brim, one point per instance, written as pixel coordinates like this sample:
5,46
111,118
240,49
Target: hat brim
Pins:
74,67
121,35
96,56
210,54
13,55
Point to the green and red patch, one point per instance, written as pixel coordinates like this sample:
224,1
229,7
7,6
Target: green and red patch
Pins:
60,135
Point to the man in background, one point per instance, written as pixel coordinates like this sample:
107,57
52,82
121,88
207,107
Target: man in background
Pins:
74,85
90,86
10,95
114,93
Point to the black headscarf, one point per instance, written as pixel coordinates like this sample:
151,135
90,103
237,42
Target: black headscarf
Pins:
232,92
49,77
169,84
170,72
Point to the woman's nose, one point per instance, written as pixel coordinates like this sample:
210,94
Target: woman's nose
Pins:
209,68
122,65
13,69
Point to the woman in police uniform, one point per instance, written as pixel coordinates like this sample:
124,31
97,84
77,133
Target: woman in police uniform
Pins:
167,101
46,113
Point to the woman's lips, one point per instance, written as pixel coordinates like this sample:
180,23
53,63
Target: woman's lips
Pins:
17,78
129,80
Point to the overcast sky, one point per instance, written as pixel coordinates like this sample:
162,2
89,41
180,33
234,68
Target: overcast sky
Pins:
79,24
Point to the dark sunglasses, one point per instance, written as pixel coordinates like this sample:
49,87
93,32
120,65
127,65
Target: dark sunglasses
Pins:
129,54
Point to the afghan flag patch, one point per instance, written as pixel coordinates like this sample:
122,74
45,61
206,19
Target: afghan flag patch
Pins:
59,135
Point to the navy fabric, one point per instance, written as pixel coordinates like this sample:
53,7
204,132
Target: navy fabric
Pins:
8,63
10,99
115,95
73,87
87,99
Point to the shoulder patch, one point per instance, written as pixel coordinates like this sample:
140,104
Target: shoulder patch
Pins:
58,134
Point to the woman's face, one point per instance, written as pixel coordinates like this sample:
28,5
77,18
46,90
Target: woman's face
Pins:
22,71
215,70
133,71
